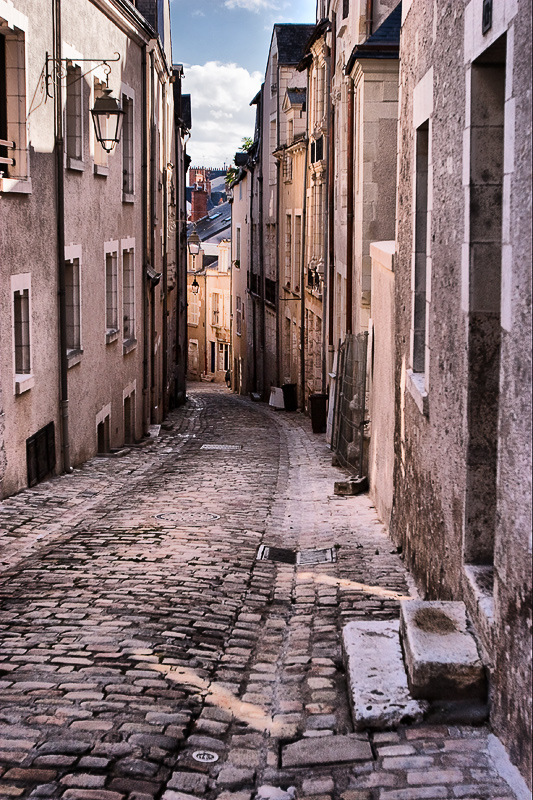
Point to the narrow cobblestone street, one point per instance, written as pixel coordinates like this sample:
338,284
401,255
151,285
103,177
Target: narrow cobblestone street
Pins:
138,626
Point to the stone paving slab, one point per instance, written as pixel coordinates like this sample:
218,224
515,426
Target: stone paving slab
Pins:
376,676
137,626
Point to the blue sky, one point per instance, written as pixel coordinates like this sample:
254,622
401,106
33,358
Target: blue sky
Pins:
223,45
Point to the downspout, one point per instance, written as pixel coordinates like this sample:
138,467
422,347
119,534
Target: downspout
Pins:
278,193
261,240
327,289
145,246
164,326
349,209
152,240
302,257
250,271
60,210
368,19
331,198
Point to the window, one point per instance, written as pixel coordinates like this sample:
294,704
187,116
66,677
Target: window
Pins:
100,155
345,8
193,316
13,142
21,306
288,249
215,308
128,295
111,291
73,138
72,304
290,134
297,251
127,147
421,230
287,168
238,315
238,247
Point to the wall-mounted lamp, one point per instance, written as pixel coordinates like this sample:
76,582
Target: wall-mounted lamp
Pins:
193,243
195,286
107,117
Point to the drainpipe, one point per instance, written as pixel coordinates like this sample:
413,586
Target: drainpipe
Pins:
60,213
331,197
302,258
368,19
250,270
153,200
327,288
145,247
349,209
164,327
278,195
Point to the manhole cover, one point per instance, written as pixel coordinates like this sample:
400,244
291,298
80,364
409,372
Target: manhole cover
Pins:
192,517
316,556
221,447
205,756
279,554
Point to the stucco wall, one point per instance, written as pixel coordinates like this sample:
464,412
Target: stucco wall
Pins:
381,388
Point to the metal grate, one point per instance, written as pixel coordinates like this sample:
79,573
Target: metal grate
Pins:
317,556
188,517
221,447
279,554
304,557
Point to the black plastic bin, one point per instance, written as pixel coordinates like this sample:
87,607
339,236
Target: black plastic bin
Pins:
318,404
290,396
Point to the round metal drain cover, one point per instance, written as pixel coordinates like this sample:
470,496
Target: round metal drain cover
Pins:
205,756
188,517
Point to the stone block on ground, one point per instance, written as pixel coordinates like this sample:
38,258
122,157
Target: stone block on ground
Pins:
327,750
441,656
376,676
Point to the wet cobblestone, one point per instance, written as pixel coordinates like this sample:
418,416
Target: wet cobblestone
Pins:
137,627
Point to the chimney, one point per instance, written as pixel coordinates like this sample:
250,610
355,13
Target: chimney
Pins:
198,204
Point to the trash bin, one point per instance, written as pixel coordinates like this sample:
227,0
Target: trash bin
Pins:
318,407
290,396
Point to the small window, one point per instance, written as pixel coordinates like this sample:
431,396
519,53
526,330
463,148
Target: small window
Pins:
73,138
127,146
72,304
21,305
100,155
193,315
238,315
13,137
215,306
345,8
128,294
111,292
238,248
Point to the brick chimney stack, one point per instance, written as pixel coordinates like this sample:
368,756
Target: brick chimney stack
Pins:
198,204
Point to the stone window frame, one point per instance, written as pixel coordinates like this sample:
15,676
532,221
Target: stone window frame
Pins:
21,287
15,178
111,260
73,254
127,246
417,380
127,95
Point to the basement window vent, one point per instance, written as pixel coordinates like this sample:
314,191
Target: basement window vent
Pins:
221,447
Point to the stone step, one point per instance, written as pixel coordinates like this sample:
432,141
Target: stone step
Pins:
376,676
441,656
327,750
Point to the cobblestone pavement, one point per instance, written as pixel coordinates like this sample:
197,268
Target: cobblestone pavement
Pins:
138,627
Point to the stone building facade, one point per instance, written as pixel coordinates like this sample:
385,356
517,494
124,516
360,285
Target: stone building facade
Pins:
92,371
463,327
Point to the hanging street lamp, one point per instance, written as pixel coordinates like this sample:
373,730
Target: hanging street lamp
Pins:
107,117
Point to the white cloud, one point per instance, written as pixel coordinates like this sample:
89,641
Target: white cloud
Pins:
221,111
250,5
